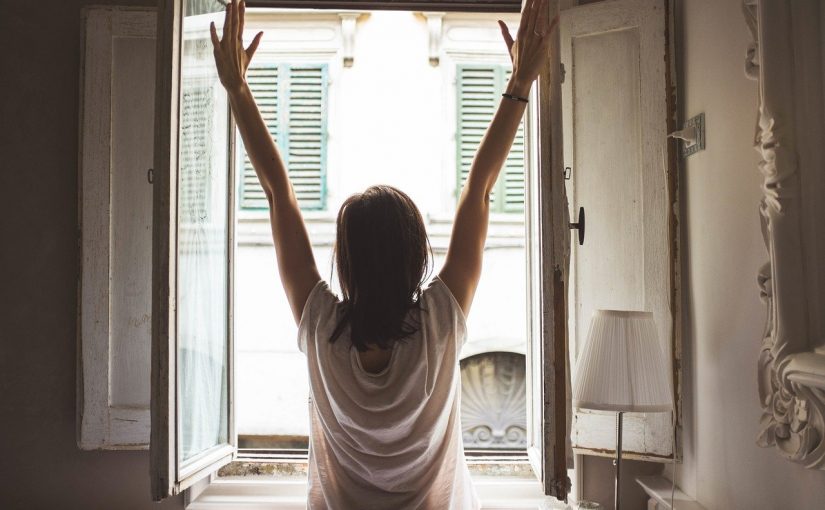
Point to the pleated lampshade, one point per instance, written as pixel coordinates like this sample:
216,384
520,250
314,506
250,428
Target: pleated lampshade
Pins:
622,367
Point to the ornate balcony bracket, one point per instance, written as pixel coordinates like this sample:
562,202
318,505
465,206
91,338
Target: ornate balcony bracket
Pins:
348,24
435,22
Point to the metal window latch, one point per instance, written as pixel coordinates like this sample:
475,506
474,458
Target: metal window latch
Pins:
568,172
692,136
150,175
579,226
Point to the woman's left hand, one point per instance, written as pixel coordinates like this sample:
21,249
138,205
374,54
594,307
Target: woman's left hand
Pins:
231,58
529,51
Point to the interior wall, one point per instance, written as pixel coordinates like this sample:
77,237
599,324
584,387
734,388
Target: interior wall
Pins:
599,481
40,464
722,251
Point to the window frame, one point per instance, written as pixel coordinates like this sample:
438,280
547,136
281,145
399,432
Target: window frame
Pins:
169,477
546,430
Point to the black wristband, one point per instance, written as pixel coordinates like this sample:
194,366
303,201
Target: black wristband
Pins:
515,98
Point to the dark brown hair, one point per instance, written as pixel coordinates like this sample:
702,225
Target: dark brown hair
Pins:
383,256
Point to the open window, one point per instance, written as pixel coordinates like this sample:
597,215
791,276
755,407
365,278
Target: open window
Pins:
198,163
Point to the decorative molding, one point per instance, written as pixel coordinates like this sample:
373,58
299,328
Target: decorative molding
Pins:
785,58
494,401
348,24
435,21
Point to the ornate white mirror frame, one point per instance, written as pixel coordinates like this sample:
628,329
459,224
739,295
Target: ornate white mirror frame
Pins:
787,58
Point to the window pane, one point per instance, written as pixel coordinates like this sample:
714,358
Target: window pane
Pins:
203,230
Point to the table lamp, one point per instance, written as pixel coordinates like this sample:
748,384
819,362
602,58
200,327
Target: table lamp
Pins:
622,369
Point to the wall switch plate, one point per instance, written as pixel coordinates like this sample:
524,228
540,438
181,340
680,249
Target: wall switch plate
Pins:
698,124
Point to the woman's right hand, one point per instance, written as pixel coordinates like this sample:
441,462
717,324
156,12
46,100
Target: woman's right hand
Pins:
529,51
231,58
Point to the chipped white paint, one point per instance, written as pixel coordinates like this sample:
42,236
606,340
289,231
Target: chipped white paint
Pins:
616,125
118,56
548,373
786,59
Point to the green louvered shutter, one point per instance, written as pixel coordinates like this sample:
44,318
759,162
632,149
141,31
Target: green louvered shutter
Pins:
479,92
477,101
513,185
293,103
264,84
306,134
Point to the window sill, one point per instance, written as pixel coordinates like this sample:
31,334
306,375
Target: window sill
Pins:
658,490
494,493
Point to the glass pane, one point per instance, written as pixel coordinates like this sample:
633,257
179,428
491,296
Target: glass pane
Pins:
203,233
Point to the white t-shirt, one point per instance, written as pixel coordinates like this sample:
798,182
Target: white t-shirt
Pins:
390,440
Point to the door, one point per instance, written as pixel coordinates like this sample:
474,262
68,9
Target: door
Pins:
616,110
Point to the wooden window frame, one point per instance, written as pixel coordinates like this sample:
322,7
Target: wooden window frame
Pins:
548,387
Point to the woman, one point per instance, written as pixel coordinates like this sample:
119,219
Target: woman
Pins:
383,361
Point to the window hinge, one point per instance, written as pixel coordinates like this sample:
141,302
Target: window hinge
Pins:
563,72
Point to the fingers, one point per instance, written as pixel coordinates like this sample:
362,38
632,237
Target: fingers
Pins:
253,46
226,22
241,15
505,33
535,16
524,22
216,43
233,21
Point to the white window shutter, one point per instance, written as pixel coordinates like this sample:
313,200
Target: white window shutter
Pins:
115,306
616,123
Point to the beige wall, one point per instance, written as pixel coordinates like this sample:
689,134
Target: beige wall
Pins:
40,465
723,249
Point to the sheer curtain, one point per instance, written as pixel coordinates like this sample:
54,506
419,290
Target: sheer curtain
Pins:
203,235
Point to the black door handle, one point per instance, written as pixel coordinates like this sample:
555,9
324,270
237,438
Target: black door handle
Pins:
579,226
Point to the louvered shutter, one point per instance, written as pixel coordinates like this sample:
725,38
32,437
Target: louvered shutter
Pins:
477,100
479,91
306,134
292,100
512,188
264,84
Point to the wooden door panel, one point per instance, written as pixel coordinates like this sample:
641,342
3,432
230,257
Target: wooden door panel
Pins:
615,133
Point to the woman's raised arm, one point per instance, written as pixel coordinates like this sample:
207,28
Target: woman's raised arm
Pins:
462,268
296,262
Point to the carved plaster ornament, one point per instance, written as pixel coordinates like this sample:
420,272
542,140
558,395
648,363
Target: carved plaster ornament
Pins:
494,401
348,23
791,374
435,21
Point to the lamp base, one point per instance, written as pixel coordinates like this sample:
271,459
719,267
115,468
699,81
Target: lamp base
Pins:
618,461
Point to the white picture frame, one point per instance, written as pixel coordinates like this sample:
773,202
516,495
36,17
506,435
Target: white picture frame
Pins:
786,60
